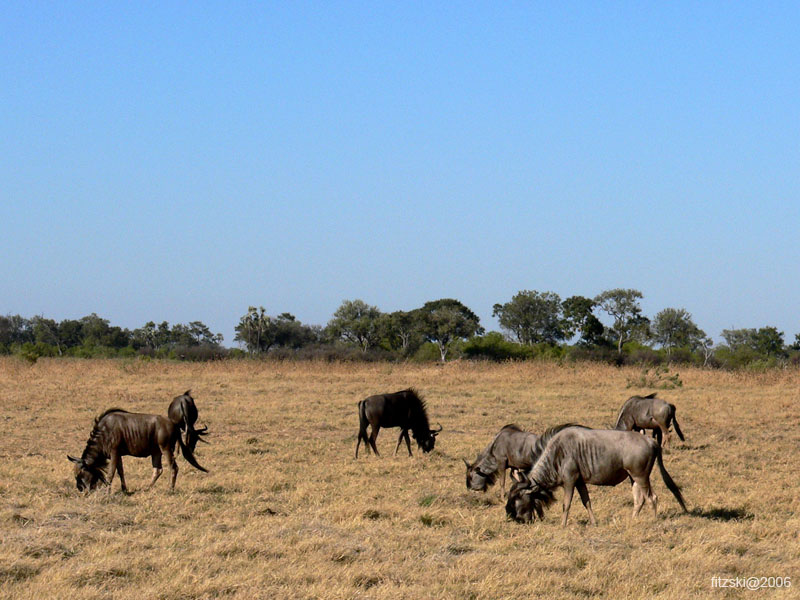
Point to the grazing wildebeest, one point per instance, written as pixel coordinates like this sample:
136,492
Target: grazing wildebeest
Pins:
405,410
511,448
117,433
576,456
649,412
183,413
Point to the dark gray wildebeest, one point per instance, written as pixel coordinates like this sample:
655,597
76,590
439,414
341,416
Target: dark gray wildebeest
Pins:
649,412
117,433
405,410
511,448
183,413
578,455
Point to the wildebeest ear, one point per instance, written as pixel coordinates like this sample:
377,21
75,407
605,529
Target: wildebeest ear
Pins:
187,393
73,459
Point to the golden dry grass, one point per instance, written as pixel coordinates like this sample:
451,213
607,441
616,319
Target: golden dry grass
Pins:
286,512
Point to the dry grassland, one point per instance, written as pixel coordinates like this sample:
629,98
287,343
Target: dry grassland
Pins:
286,512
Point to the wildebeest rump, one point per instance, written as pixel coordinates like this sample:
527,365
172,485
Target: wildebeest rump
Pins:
511,448
649,412
404,409
117,433
182,412
576,456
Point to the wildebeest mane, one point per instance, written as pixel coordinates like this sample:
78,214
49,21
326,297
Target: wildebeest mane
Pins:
94,456
486,465
541,498
540,444
419,412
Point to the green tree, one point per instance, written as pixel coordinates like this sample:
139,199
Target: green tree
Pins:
97,332
291,333
255,330
444,321
356,322
400,331
194,334
45,331
579,319
622,305
674,328
70,332
532,317
769,342
764,342
15,329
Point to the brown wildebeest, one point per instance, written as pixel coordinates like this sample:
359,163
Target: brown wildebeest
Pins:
183,413
576,456
117,433
405,410
511,448
649,412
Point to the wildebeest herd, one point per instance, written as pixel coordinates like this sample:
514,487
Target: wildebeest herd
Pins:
567,455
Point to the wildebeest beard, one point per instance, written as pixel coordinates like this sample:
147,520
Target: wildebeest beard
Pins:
526,500
90,469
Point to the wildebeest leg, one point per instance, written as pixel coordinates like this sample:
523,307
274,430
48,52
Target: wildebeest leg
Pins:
372,437
665,431
657,435
358,443
653,499
585,499
569,489
121,475
156,468
408,441
173,465
640,491
112,468
399,441
503,482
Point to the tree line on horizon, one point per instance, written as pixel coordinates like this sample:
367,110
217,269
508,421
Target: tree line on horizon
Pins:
534,325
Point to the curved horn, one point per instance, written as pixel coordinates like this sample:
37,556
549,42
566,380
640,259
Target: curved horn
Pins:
518,475
434,432
466,462
75,460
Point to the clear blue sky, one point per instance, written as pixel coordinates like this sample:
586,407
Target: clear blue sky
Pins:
181,161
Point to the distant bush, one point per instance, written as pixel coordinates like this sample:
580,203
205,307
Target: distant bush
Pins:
429,352
493,346
545,351
658,378
580,353
201,353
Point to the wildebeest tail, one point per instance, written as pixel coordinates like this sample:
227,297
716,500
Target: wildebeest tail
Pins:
673,487
675,423
189,455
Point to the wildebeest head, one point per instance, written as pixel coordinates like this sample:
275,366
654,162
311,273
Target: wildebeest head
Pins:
86,476
427,442
476,479
195,435
526,499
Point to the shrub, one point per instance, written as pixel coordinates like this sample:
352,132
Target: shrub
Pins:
656,378
493,346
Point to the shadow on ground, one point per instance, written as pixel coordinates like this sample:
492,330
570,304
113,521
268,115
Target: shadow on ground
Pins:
723,514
